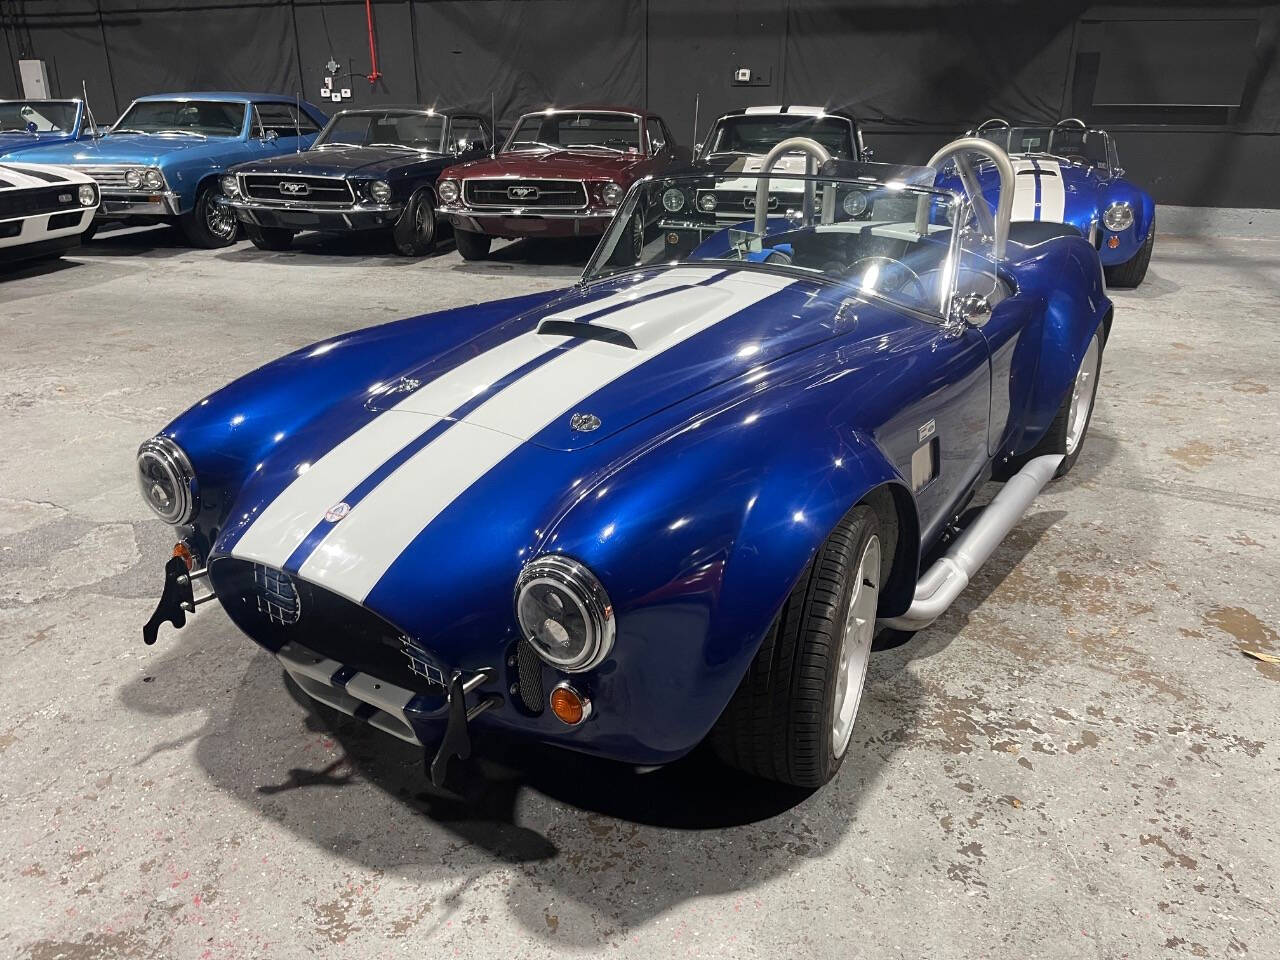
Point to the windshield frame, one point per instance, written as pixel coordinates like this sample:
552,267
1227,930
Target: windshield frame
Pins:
855,140
240,135
641,139
77,119
958,200
1108,145
445,123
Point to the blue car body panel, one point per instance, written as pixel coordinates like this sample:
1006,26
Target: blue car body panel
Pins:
723,459
186,162
1075,193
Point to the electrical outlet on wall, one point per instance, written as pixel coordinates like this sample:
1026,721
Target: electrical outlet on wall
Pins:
749,77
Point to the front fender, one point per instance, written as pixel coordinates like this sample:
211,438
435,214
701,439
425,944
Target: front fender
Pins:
1130,240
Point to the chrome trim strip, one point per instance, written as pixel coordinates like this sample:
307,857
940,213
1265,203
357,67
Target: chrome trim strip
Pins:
537,213
299,206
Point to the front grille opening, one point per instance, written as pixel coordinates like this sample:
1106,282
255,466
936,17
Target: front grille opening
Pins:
529,690
275,609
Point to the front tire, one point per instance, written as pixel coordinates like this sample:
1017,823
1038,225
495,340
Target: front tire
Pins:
472,246
1132,272
792,717
269,238
209,224
414,234
630,246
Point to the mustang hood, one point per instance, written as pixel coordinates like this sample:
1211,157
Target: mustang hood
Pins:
336,161
573,164
481,440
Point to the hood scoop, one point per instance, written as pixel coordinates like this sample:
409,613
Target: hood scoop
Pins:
579,330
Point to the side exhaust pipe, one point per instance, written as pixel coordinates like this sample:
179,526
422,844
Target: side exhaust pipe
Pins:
950,574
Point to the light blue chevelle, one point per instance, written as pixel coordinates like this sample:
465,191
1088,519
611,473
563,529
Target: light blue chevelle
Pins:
161,160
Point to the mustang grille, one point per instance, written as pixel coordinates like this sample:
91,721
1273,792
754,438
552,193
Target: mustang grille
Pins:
26,203
283,187
275,609
565,194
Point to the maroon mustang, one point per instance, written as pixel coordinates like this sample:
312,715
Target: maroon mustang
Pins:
561,173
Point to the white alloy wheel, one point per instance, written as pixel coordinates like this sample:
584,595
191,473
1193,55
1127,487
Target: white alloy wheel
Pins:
855,647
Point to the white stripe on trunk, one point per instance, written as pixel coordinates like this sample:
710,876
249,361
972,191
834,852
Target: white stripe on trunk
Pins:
357,552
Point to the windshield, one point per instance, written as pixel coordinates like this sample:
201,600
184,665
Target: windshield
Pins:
200,118
576,130
760,133
887,240
46,116
410,129
1069,143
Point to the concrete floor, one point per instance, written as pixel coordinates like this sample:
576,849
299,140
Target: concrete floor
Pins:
1077,761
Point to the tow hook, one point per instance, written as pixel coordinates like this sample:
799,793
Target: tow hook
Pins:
456,741
176,600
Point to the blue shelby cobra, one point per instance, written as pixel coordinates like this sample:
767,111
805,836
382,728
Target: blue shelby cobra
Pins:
668,504
161,161
1070,174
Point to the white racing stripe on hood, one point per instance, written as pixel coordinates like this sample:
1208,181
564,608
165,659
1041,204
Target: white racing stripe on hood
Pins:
1053,199
359,550
1024,191
1053,195
285,522
20,180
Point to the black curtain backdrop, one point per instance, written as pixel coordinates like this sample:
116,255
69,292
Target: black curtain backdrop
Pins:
916,71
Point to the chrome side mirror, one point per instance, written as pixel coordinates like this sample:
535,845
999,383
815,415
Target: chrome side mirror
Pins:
868,154
972,308
270,135
463,145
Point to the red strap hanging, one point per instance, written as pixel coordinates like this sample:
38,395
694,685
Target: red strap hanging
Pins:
373,50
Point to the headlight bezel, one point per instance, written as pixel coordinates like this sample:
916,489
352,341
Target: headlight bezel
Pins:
153,179
611,194
707,202
230,185
679,199
1118,216
172,461
89,199
574,580
379,191
860,202
449,191
133,178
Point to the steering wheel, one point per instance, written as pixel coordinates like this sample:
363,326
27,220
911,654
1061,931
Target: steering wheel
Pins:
993,122
1067,120
881,279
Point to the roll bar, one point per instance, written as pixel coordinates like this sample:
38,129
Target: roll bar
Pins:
816,154
992,122
1076,120
997,227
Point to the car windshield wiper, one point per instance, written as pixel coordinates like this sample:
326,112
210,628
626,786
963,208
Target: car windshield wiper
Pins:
30,133
130,130
185,133
536,143
398,146
592,146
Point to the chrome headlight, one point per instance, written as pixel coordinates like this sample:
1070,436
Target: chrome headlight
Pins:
88,195
673,200
230,186
1118,216
133,178
380,190
448,190
855,204
564,613
611,194
167,480
153,179
707,202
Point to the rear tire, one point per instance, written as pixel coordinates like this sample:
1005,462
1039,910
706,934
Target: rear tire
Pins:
269,238
1131,273
791,719
472,246
414,234
209,224
1066,435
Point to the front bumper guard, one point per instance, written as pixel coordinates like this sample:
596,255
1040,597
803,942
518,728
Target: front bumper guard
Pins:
386,706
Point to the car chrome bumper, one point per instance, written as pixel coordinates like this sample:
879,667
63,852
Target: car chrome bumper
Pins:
303,216
530,221
116,206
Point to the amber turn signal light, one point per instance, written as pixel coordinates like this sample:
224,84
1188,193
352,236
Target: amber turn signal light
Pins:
180,549
1113,242
569,706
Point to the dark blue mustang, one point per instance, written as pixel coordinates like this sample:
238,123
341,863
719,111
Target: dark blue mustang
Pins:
1071,174
668,504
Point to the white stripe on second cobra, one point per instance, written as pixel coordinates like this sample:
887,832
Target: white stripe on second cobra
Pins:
354,555
285,522
1053,196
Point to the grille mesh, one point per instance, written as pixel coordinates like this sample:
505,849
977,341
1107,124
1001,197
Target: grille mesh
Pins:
529,668
277,598
569,194
261,186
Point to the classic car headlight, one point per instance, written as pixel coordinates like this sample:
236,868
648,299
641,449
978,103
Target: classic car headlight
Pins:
707,202
564,613
855,204
230,186
167,480
380,190
1118,216
448,190
673,199
133,178
611,194
88,195
153,179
